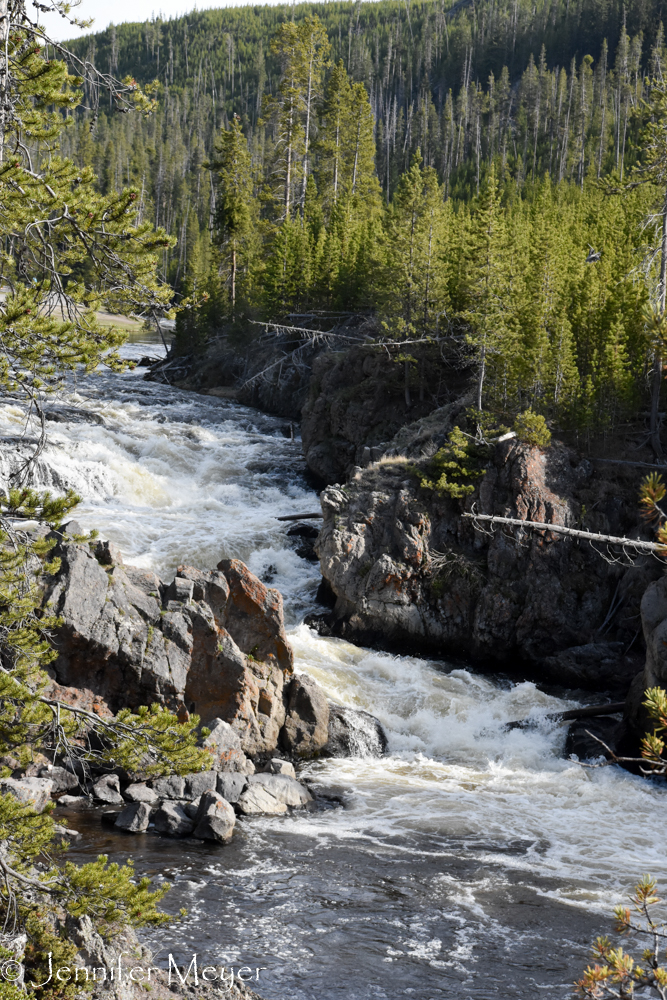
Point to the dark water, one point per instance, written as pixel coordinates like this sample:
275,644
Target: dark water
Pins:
428,918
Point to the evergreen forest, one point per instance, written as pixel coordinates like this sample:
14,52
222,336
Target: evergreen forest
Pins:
478,177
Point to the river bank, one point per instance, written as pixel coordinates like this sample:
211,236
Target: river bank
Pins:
469,858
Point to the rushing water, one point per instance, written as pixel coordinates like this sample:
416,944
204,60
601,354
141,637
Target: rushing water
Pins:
468,862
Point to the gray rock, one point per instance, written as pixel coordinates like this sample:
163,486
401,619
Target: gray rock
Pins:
172,787
581,739
231,785
283,788
279,766
140,792
33,792
172,820
222,736
353,733
190,808
66,831
93,949
224,744
118,642
15,945
257,800
107,790
306,728
74,801
134,818
215,819
107,554
197,784
63,780
180,590
654,606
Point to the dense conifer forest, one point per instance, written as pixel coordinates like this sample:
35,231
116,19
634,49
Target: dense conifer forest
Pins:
473,177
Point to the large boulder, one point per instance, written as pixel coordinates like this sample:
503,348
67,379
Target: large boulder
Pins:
63,780
354,733
171,787
654,626
106,791
211,642
33,792
231,786
172,820
140,792
279,766
283,788
198,784
134,818
306,728
215,819
257,800
224,746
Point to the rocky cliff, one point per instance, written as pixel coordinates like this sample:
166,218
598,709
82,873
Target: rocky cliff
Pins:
211,642
406,571
357,403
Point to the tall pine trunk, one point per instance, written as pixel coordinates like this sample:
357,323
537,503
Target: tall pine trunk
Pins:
4,73
656,444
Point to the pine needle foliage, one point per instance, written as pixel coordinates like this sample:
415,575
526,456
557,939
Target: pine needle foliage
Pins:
532,428
616,972
651,494
453,466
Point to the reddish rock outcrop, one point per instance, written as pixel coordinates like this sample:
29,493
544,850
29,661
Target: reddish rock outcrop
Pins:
211,642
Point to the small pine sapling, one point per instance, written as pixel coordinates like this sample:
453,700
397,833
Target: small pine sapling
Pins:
617,973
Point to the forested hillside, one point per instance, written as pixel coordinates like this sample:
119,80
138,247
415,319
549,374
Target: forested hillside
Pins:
437,169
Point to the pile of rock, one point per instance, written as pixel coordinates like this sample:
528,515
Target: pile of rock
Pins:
203,805
210,642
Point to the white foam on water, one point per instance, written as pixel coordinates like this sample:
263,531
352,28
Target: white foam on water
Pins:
174,477
454,770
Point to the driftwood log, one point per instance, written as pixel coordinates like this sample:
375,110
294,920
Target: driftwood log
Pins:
298,517
559,529
590,712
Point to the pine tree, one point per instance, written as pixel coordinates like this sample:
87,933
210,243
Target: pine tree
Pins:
236,208
334,119
487,286
653,170
413,285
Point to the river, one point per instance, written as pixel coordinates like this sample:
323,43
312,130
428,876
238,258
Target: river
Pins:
469,862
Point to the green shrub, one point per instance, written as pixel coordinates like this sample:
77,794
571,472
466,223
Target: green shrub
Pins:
532,428
451,468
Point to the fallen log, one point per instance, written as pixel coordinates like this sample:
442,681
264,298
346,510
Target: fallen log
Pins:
623,461
590,712
298,517
560,529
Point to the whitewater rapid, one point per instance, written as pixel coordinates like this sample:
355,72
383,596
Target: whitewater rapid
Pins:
470,861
